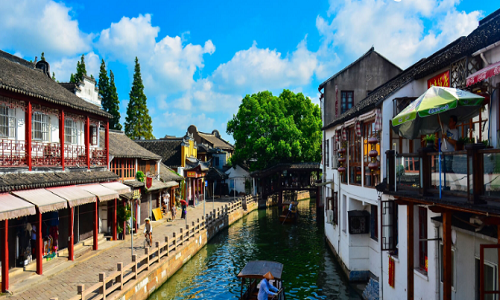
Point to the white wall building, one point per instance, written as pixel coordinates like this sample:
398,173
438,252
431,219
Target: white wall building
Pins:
361,254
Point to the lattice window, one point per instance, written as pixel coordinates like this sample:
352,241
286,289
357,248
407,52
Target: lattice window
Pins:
461,69
40,124
70,136
7,122
389,226
458,73
474,64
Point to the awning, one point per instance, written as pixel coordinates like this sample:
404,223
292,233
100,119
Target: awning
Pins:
75,195
484,73
43,199
157,185
117,186
103,193
170,184
324,183
12,207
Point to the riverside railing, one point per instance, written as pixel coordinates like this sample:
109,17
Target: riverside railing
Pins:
115,281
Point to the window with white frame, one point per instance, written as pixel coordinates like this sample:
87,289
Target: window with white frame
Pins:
40,127
7,122
70,136
93,135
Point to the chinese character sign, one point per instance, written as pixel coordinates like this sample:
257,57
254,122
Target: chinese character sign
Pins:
442,79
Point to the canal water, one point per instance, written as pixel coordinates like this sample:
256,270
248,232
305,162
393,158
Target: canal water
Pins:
310,270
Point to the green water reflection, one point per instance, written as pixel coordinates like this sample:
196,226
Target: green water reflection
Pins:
310,271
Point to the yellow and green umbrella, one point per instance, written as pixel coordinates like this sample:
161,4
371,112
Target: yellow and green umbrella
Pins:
422,115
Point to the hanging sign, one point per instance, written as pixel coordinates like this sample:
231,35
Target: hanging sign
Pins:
192,174
442,79
149,182
391,272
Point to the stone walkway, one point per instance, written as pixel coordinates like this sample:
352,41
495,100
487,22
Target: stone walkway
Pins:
85,270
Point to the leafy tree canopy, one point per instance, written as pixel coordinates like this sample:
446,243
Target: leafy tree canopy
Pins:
269,130
42,58
138,123
80,71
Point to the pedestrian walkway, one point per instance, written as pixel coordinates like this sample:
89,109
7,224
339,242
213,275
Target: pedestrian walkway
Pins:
61,279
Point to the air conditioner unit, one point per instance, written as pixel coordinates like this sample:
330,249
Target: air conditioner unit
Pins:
329,216
359,221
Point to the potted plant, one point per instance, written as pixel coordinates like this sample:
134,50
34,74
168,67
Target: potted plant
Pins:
486,142
430,140
461,143
122,214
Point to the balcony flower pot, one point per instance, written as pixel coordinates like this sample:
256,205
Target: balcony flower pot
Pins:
430,141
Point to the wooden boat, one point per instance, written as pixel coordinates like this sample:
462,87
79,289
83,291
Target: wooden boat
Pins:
289,217
253,273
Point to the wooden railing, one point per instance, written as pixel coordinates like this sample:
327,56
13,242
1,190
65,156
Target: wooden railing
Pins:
109,283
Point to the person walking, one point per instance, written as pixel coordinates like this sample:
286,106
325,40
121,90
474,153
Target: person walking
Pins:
148,231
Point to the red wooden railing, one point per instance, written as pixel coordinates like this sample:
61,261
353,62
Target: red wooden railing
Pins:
12,153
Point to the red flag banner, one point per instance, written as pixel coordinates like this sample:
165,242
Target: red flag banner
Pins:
149,182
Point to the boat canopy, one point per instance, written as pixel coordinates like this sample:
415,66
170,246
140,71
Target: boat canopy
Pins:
256,269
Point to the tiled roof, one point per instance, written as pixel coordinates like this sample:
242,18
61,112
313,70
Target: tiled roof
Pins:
134,183
18,78
286,166
215,141
21,181
168,149
122,146
215,174
167,174
486,34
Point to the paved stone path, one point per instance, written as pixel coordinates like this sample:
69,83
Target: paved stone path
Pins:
86,269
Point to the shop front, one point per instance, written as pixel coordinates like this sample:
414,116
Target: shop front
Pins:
195,185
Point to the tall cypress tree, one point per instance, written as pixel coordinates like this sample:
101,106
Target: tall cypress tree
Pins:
42,58
80,69
103,85
138,123
113,104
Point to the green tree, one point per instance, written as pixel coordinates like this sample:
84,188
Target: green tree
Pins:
80,70
72,78
113,104
138,123
42,58
54,76
269,130
103,85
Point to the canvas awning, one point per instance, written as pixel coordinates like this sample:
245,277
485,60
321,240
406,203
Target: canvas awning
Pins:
170,184
117,186
324,183
157,185
73,194
484,73
12,207
43,199
104,194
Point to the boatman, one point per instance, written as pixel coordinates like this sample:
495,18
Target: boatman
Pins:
266,289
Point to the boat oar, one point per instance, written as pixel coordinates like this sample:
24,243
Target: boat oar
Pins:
285,217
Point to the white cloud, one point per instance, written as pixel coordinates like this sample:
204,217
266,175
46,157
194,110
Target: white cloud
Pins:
167,66
67,65
41,26
395,29
257,69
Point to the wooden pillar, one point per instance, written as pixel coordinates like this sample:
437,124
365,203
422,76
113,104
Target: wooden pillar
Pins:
27,135
5,256
447,276
71,246
106,144
192,190
87,141
61,136
410,249
39,243
115,221
124,222
96,224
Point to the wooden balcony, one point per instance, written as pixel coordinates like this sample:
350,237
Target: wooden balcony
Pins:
13,154
469,178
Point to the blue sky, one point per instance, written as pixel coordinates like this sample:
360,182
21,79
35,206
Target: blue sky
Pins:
200,58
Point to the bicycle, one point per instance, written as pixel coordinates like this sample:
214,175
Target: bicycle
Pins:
147,240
